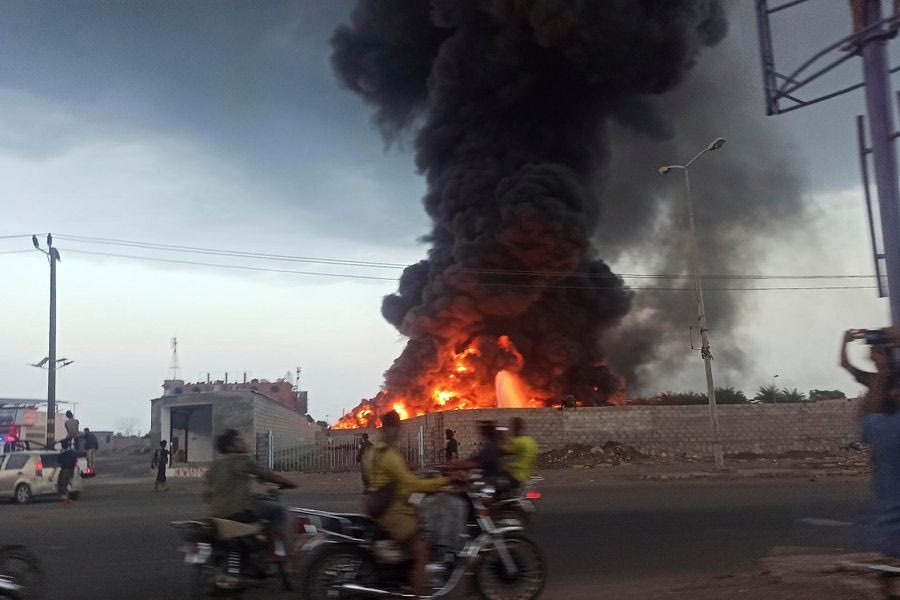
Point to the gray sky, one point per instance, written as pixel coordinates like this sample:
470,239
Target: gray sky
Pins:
221,125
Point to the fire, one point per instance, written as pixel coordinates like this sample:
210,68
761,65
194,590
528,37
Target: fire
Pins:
484,374
401,410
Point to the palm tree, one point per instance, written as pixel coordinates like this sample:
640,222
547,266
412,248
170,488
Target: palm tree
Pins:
767,394
791,396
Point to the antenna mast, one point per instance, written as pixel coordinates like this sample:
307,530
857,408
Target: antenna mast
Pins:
173,367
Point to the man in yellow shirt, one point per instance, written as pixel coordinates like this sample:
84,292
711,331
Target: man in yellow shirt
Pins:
386,466
522,452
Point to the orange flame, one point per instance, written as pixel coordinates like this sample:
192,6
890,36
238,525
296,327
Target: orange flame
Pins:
483,375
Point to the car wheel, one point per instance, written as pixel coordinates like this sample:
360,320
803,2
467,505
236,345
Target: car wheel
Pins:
74,495
23,494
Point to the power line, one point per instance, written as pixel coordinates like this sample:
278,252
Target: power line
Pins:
19,235
221,266
16,251
220,252
493,284
389,265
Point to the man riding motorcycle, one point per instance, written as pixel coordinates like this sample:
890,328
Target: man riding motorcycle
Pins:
228,489
385,466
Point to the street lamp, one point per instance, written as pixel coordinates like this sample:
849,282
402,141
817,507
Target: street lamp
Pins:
705,352
53,258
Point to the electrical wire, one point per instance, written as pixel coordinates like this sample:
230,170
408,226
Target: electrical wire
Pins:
221,266
388,265
493,284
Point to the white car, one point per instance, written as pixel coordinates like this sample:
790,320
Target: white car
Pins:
27,474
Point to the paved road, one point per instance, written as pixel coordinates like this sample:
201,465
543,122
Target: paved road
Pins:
114,543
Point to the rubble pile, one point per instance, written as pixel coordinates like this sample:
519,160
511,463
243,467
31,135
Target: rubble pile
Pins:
585,456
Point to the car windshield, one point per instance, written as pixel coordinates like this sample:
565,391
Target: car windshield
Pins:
49,460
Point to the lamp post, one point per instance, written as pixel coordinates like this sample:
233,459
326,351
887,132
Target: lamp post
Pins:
705,352
53,257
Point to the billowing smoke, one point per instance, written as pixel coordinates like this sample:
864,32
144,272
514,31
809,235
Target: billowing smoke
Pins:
514,104
748,197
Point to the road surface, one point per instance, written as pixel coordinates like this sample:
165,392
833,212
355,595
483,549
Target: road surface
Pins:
115,543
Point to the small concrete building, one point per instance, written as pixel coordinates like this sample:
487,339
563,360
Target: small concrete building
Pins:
190,420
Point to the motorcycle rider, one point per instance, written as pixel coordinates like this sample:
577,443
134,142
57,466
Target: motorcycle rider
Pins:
488,458
386,466
228,489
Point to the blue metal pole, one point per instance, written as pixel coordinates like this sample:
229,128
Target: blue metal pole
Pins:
881,126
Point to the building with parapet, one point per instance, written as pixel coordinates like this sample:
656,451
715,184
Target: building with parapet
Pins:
190,415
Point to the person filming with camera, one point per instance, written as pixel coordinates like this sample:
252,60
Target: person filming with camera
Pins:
880,425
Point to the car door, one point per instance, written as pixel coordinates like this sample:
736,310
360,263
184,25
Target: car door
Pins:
11,471
50,473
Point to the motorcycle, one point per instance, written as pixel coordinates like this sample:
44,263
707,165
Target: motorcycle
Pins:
348,556
226,557
517,508
20,573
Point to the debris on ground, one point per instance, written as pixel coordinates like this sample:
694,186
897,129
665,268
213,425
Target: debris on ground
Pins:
581,456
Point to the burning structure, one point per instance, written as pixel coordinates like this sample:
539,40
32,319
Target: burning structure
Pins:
510,102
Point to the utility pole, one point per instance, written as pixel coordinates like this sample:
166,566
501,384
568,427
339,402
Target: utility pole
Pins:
705,351
53,257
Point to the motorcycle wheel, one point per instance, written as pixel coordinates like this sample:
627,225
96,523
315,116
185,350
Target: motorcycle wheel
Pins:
23,568
495,583
332,567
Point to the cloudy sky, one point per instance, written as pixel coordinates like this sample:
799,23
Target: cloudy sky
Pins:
220,125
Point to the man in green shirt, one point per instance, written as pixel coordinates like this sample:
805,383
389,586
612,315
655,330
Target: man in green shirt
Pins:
228,489
522,452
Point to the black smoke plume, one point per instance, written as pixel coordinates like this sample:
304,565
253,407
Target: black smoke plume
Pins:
512,103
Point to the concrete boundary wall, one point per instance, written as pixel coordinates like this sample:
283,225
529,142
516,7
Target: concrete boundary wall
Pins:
751,428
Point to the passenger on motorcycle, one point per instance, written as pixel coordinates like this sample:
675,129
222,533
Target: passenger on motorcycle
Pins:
385,467
228,489
522,452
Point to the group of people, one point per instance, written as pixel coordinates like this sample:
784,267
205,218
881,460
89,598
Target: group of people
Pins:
506,463
75,444
81,441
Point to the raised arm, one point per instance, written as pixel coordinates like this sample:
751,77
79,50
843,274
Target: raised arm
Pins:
863,377
394,465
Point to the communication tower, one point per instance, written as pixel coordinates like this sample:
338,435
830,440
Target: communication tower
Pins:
174,369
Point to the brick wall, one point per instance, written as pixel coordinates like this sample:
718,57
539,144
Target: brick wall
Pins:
755,428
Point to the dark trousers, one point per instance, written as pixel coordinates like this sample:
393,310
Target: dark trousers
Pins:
62,482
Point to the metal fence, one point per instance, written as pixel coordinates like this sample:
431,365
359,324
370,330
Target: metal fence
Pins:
325,455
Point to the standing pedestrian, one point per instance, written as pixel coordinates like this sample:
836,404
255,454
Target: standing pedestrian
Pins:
360,454
66,461
72,428
451,450
160,462
879,413
90,447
